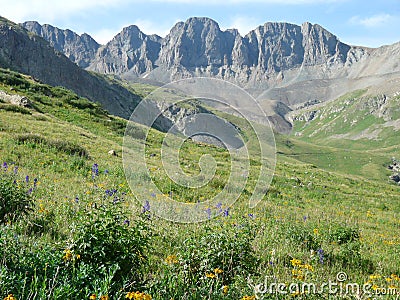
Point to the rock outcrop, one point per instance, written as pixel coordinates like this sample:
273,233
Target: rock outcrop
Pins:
81,49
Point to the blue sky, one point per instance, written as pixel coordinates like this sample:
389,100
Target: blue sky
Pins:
356,22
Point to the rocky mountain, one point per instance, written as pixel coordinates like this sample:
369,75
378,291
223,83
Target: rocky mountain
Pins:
81,49
30,54
130,51
283,65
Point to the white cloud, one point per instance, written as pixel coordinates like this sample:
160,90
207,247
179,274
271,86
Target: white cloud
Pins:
244,24
373,21
148,27
103,36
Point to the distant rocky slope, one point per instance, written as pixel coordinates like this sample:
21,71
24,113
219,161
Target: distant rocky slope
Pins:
284,65
81,49
30,54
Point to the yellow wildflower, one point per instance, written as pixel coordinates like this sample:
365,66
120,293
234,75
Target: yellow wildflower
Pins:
138,296
295,262
92,297
10,297
105,297
307,267
249,298
218,271
225,289
171,259
68,256
210,275
316,231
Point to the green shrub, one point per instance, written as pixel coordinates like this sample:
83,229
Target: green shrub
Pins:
15,108
104,238
60,145
15,198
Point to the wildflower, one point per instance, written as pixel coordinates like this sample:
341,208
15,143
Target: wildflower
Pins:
78,256
5,167
249,298
210,275
208,211
30,191
146,206
226,212
218,271
27,179
35,181
171,259
153,195
138,296
252,216
106,172
316,232
307,267
105,297
95,170
321,255
92,297
16,170
68,256
304,218
126,222
295,262
76,199
225,289
219,206
10,297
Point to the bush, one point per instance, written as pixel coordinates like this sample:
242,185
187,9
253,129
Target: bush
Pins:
104,238
60,145
15,198
15,108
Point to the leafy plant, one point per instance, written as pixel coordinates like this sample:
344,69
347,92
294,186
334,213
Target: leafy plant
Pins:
15,198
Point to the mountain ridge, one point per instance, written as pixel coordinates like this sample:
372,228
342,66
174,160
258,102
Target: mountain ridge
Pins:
281,64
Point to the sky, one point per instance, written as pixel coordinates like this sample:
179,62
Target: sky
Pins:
356,22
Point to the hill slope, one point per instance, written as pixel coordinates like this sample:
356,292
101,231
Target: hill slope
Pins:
29,54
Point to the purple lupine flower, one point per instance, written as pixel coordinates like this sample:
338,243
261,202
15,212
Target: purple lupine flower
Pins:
153,195
5,166
35,181
146,206
30,191
208,211
252,216
16,170
76,199
126,222
305,218
106,172
27,179
226,212
321,255
95,170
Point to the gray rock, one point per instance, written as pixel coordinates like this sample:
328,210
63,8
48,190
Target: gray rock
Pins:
15,99
81,49
131,51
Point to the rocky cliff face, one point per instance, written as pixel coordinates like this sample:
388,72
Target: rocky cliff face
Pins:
30,54
130,51
81,49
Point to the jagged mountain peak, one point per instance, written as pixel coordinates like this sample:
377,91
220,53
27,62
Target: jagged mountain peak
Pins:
81,49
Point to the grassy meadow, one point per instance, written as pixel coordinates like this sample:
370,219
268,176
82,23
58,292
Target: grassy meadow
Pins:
71,228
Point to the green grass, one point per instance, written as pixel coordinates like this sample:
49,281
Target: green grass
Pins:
88,235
